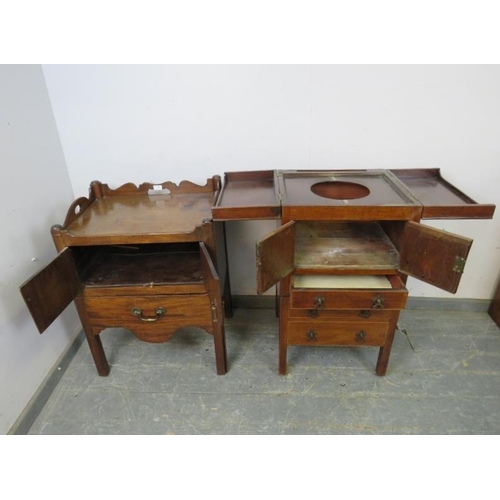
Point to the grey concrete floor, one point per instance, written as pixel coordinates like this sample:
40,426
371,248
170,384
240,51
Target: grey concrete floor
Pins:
443,378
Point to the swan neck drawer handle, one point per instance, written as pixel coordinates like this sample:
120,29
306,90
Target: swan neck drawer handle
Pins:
160,311
378,302
319,302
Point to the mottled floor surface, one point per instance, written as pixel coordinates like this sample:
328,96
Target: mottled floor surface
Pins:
443,378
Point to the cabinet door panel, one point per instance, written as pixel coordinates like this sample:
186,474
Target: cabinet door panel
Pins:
275,256
52,289
434,256
212,283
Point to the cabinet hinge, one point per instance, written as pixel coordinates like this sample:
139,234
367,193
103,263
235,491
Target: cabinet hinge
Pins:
459,264
214,311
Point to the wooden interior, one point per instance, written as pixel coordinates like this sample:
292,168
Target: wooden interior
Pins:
144,265
343,247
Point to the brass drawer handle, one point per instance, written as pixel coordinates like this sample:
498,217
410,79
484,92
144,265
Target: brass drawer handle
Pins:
318,305
311,335
360,336
160,311
378,302
319,302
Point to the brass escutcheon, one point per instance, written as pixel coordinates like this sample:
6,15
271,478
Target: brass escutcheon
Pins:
319,302
360,336
311,335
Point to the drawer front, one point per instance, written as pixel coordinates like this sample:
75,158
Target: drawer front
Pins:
376,299
336,333
360,316
150,318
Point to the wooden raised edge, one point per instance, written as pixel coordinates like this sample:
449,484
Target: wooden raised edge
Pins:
211,185
358,213
246,213
476,211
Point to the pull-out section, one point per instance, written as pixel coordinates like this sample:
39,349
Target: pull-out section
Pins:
248,195
439,198
359,292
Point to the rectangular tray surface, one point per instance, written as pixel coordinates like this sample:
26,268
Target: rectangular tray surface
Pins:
248,195
136,215
430,188
440,199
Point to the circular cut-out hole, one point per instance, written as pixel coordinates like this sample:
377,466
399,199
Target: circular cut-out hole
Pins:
338,190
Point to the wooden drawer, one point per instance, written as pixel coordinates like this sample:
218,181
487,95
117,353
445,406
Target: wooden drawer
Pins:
360,316
151,318
336,333
321,299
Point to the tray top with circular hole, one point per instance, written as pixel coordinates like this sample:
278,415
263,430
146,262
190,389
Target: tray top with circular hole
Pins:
343,188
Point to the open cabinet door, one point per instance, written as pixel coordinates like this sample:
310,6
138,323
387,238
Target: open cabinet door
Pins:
52,289
275,256
212,282
434,256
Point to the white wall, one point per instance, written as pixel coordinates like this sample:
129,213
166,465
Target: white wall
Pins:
36,193
156,123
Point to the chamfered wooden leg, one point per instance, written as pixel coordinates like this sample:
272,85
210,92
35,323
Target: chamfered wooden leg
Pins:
228,301
385,350
220,348
283,327
93,340
101,363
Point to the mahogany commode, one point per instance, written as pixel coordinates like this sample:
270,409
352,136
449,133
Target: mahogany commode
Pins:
346,243
146,258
